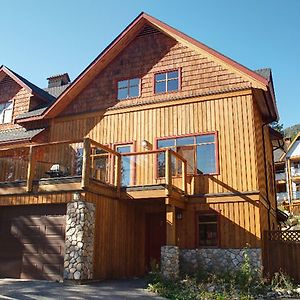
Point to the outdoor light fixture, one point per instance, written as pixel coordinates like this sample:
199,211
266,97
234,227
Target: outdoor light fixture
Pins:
146,144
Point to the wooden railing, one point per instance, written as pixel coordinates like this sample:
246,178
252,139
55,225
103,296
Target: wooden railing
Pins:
154,167
89,160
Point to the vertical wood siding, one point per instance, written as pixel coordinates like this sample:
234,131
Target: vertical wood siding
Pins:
231,117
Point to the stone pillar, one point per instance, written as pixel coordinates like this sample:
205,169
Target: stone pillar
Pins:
79,245
170,262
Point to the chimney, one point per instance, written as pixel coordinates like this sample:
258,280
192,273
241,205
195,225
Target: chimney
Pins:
58,80
287,142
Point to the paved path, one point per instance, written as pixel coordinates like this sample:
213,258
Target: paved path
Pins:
16,289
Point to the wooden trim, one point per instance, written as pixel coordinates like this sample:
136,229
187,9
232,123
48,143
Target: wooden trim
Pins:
168,171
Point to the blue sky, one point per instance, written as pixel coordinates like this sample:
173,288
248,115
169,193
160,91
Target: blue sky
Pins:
42,38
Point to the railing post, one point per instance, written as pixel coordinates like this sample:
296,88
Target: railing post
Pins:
118,175
86,163
31,169
168,175
184,172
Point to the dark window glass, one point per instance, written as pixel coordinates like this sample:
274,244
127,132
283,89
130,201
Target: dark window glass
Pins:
166,82
129,88
208,230
188,153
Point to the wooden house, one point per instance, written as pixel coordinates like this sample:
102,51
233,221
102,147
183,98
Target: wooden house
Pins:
287,175
160,147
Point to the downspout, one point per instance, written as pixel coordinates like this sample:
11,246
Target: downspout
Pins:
266,174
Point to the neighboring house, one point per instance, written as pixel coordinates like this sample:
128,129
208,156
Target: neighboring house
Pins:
160,142
287,175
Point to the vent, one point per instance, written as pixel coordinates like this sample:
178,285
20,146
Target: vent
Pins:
147,30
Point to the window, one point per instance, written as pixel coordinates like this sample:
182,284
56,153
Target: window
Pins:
166,82
126,167
6,110
129,88
200,151
208,230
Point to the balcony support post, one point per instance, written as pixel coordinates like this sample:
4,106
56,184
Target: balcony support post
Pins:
31,169
86,163
184,172
118,173
168,175
171,225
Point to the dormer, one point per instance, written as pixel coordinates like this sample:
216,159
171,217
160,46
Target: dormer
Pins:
18,96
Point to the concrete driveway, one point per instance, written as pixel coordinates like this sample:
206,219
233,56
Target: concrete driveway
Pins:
13,289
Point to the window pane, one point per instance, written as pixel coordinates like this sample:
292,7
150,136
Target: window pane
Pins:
161,164
134,82
7,116
122,94
160,87
173,74
122,84
161,76
206,160
190,140
188,152
126,165
134,91
206,138
172,85
208,235
166,143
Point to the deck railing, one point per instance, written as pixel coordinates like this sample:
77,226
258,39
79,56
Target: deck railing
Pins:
154,167
88,160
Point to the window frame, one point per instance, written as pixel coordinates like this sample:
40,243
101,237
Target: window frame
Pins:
128,79
132,162
208,212
216,135
12,101
164,72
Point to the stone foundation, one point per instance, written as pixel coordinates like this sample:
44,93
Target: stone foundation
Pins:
217,260
170,262
79,246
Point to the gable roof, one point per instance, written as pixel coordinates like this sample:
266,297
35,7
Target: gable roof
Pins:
123,39
32,88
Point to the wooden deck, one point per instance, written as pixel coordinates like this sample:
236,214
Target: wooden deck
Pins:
89,166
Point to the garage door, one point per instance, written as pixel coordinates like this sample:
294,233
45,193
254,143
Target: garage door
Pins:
32,241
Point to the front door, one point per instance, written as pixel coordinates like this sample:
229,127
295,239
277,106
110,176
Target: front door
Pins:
155,238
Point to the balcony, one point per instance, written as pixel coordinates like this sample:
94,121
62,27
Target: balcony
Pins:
280,176
90,166
283,196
